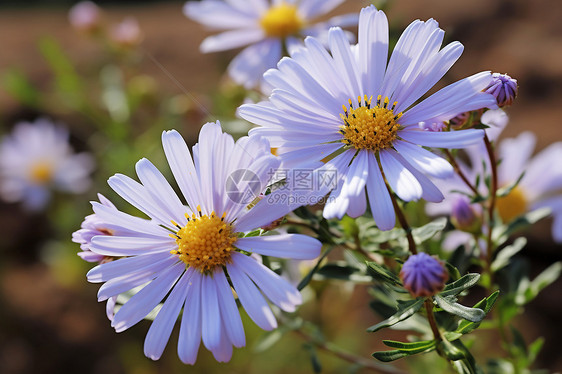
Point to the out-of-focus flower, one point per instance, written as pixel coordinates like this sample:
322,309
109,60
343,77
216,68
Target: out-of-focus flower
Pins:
464,216
423,275
85,16
504,89
265,26
127,33
194,255
357,108
36,158
540,186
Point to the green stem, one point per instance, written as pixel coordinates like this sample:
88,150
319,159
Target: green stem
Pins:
492,205
431,318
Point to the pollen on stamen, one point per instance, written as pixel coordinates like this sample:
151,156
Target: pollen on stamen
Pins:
370,127
205,242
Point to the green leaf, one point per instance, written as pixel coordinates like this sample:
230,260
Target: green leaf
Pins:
486,304
505,254
544,279
426,232
525,221
388,356
405,349
450,351
383,274
306,280
405,311
349,227
410,346
17,85
268,340
518,342
504,191
460,285
471,314
316,366
68,82
534,349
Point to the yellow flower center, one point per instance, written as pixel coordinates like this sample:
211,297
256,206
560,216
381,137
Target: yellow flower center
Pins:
369,127
204,242
41,172
281,21
513,205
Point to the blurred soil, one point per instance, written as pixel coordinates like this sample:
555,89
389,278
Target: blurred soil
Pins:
46,327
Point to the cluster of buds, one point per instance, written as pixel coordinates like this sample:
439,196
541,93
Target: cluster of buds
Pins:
86,17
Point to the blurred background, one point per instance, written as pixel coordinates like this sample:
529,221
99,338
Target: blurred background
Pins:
50,321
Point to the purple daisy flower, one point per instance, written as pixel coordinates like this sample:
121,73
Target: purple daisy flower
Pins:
354,110
193,256
423,275
264,28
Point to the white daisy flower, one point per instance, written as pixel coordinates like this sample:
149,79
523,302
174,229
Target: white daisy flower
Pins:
37,158
265,27
359,112
193,257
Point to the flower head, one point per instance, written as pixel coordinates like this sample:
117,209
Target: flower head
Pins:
264,26
423,275
356,111
195,255
36,158
540,185
127,33
85,16
504,89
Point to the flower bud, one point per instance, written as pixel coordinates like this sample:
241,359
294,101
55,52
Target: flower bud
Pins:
423,275
85,16
463,216
127,34
504,89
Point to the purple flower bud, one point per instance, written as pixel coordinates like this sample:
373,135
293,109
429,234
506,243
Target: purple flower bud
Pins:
504,89
84,16
463,216
423,275
127,33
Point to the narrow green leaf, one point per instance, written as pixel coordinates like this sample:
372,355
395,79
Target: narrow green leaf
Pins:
405,311
526,220
306,280
426,232
388,356
450,351
529,290
383,274
471,314
505,254
486,304
17,85
534,349
410,346
343,272
268,340
460,285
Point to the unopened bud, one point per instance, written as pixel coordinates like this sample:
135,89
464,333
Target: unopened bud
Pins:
504,89
463,216
85,16
423,275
